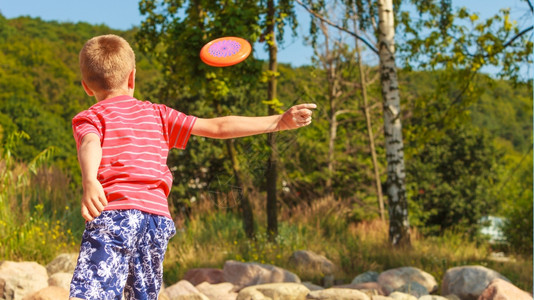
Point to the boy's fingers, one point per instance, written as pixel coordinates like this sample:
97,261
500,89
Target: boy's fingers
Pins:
85,214
306,106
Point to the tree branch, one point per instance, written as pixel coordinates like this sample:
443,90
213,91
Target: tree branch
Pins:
517,36
318,16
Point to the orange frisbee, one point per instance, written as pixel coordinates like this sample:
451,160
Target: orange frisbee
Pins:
225,51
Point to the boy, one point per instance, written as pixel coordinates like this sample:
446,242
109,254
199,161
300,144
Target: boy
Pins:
123,145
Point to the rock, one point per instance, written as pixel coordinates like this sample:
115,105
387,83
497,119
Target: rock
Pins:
468,282
393,279
270,291
199,275
369,276
61,280
162,295
49,293
372,287
337,294
218,291
432,297
499,289
312,287
19,279
65,262
246,274
308,261
413,288
379,297
401,296
184,290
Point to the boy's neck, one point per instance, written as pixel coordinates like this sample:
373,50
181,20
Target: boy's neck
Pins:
112,94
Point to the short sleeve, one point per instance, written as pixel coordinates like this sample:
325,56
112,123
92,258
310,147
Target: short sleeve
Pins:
84,123
178,126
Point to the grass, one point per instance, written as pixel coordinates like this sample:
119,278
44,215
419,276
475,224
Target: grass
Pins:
212,237
39,219
37,222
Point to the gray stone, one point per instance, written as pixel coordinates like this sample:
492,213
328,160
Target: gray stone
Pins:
246,274
413,288
393,279
468,282
65,262
369,276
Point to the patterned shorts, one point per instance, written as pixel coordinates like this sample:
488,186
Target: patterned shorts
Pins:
122,251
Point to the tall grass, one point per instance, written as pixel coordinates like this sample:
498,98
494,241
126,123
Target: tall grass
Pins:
213,236
37,219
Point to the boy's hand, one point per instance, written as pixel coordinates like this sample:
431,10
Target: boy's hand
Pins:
297,116
93,199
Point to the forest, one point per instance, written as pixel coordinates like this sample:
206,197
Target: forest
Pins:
467,137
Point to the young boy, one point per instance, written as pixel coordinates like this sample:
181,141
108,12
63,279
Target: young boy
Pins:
123,145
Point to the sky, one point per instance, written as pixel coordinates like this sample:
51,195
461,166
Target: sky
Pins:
124,14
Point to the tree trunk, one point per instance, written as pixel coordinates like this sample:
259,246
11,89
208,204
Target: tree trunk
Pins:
272,203
245,208
370,134
329,64
395,185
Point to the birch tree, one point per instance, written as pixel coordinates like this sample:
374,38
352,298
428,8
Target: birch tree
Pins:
399,233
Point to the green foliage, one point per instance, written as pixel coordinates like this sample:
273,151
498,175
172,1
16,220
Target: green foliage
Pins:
451,180
445,39
35,202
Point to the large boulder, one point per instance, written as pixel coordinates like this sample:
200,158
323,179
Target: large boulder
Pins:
19,279
310,261
337,294
61,280
499,289
184,290
219,291
271,291
468,282
433,297
401,296
371,287
369,276
311,264
413,288
49,293
65,262
209,275
393,279
246,274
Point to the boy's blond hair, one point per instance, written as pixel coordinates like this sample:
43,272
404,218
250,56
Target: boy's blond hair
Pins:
106,61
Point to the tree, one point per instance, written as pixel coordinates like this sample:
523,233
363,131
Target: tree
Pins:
175,41
276,16
385,33
452,179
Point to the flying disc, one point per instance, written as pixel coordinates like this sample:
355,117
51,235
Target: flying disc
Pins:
225,51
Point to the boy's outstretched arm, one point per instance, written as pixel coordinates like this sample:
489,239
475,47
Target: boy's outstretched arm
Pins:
235,126
89,156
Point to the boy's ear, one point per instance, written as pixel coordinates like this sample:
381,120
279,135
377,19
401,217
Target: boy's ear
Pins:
131,79
87,90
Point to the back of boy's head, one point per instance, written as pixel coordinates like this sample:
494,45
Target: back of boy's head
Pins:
106,61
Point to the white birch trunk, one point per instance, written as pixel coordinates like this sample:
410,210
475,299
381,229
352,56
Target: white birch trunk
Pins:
395,185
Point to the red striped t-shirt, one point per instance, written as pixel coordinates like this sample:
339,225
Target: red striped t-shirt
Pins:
136,137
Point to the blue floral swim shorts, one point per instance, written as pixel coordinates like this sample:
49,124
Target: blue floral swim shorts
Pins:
122,252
